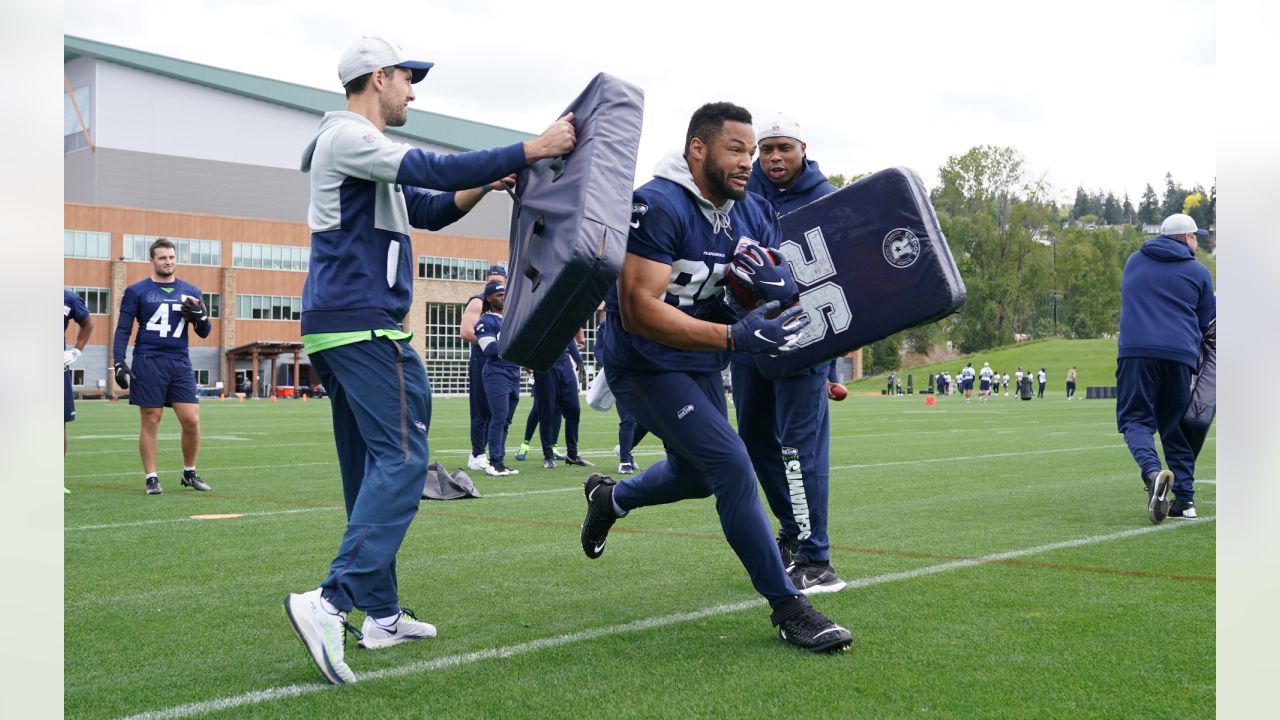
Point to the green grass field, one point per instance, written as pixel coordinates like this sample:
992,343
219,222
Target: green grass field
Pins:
999,557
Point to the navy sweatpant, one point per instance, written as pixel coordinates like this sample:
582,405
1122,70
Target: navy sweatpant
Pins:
479,404
704,457
381,403
556,397
630,433
791,413
502,390
1151,396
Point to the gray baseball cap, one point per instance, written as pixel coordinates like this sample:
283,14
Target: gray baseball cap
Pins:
371,53
1179,224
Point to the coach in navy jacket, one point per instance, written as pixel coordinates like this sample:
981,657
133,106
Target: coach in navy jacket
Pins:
1166,304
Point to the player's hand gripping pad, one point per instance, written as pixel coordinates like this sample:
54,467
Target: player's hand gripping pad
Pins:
569,226
870,260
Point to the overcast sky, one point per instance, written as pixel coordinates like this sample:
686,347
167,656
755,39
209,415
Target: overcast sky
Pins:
1110,95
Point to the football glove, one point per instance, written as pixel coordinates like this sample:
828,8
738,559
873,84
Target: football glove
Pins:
763,275
758,334
194,311
69,356
123,374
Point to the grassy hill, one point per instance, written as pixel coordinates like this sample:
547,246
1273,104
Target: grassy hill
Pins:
1094,360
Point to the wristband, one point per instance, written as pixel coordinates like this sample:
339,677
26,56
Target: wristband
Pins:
728,338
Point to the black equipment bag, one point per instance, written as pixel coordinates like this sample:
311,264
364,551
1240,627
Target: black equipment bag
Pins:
569,226
870,260
1204,391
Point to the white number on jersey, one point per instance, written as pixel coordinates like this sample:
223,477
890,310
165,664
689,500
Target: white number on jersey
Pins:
692,281
159,322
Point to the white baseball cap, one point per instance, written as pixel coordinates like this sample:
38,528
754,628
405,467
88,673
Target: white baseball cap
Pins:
1179,224
371,53
782,126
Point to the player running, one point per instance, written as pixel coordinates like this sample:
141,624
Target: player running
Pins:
663,365
161,375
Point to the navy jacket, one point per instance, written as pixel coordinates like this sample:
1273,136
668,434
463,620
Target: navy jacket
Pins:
1166,303
810,185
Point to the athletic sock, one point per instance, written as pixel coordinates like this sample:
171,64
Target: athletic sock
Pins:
188,469
151,475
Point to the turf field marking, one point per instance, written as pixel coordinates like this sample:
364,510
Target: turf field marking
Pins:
260,696
975,457
204,468
166,521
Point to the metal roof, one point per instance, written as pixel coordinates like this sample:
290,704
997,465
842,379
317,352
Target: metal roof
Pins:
443,130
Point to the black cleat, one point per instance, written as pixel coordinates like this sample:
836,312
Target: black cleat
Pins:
579,461
600,514
787,548
1183,510
1158,485
192,480
800,624
812,578
153,486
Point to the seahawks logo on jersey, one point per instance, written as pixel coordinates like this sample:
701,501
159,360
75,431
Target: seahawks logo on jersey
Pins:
637,211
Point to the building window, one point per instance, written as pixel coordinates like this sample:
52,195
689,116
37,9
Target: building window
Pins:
202,377
190,251
97,299
213,303
270,257
442,268
77,377
73,131
86,244
447,353
268,307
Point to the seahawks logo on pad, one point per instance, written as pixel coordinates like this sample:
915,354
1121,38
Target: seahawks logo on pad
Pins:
901,248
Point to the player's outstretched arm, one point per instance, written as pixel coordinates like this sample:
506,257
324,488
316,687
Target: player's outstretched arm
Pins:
470,316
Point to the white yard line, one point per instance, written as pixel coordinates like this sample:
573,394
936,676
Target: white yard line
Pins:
260,696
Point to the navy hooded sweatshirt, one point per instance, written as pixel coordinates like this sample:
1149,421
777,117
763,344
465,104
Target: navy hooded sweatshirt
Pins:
808,186
1166,303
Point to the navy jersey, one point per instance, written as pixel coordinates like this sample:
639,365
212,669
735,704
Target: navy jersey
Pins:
162,330
487,330
73,308
668,226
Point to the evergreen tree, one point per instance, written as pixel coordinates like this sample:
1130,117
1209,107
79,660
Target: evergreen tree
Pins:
1149,207
1130,217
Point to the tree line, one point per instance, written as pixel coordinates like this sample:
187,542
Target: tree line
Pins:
1033,266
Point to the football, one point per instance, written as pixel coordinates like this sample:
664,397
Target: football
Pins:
836,391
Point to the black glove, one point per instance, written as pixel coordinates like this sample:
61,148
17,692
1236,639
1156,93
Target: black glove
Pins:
194,311
757,334
123,374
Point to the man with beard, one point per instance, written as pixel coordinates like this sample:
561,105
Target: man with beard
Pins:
784,423
366,196
663,355
161,374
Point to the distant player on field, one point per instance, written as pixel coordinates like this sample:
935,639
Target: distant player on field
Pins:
984,382
161,375
501,379
73,308
966,382
475,367
663,360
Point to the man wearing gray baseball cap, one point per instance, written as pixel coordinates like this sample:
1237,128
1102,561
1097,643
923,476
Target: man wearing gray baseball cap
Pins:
367,195
1166,305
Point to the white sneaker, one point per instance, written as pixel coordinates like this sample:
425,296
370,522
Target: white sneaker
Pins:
617,450
478,462
321,633
404,629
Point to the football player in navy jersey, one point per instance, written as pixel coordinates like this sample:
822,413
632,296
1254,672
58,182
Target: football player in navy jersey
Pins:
501,379
475,367
663,350
161,375
73,308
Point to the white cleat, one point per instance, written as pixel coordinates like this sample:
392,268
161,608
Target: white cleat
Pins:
321,633
406,628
